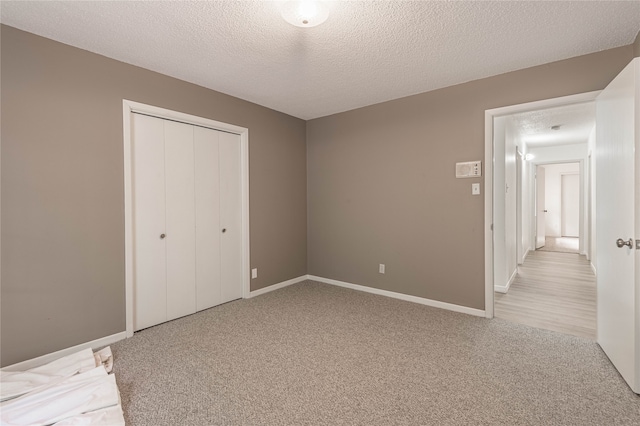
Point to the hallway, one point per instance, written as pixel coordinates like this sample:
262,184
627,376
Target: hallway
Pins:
554,291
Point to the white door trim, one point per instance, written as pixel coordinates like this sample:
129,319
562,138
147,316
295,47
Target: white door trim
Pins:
489,160
127,108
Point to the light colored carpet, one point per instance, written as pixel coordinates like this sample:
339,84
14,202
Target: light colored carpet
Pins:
315,354
561,244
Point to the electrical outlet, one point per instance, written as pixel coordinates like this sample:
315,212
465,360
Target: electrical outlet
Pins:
381,268
254,273
475,189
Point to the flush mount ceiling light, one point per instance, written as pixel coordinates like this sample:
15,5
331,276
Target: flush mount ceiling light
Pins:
305,13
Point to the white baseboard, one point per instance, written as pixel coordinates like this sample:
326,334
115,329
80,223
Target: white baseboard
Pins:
524,256
401,296
505,288
276,286
45,359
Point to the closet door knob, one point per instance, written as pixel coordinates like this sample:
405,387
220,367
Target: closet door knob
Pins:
162,236
224,230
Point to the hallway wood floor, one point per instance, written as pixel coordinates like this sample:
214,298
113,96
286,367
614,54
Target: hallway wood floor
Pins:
554,291
561,244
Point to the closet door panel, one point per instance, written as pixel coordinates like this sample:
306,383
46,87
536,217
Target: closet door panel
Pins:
180,213
230,217
208,230
150,297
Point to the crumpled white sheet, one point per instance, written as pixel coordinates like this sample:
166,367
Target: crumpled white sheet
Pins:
110,416
16,383
88,395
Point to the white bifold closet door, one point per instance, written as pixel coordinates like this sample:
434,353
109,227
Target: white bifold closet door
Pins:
187,219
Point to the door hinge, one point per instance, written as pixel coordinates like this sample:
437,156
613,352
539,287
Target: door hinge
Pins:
637,244
492,226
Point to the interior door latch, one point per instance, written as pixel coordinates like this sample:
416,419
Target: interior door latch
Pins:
637,244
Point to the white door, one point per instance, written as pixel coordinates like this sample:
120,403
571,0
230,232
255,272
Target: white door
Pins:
218,217
540,208
150,274
164,223
207,182
230,218
618,217
186,219
519,242
570,205
180,219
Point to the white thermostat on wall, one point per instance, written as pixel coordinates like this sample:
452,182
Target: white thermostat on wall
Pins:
470,169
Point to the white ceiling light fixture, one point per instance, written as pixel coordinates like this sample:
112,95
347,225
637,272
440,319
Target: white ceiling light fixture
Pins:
305,13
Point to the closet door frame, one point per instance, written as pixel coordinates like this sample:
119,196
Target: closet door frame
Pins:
129,107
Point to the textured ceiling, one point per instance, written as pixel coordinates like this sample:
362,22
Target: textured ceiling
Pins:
575,121
367,51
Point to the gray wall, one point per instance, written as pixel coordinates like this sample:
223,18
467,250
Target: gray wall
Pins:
636,46
62,189
382,186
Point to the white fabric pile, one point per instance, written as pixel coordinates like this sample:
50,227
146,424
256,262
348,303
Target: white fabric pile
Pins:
73,390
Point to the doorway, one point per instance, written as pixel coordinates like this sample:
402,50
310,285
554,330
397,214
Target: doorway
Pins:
553,135
612,218
558,207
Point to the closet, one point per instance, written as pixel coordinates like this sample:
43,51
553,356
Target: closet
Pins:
187,243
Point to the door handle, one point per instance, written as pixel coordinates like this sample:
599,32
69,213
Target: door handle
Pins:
162,236
621,243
